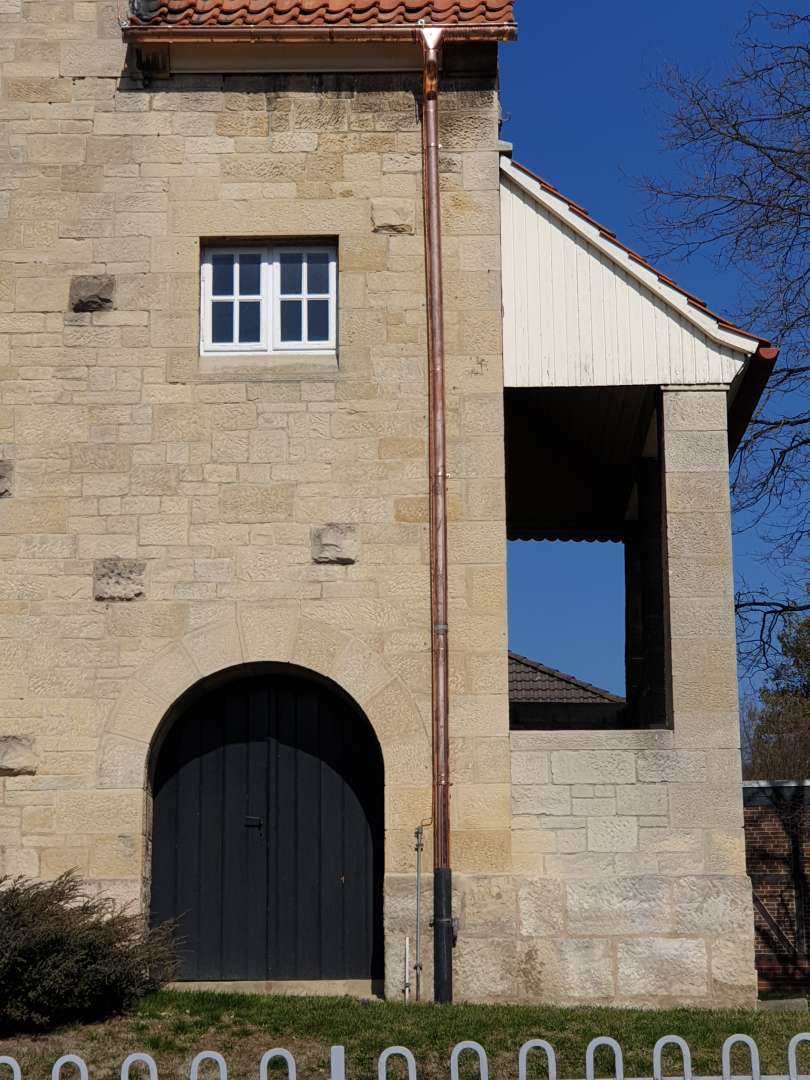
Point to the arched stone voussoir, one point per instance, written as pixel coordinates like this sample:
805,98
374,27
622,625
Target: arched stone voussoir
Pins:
361,671
317,646
216,645
256,633
137,713
121,762
169,674
267,631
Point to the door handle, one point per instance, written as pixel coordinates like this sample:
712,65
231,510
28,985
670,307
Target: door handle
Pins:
253,823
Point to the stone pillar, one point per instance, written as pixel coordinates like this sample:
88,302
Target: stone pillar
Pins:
704,775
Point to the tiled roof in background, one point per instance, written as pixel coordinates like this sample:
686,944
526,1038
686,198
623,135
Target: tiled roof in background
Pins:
327,14
533,682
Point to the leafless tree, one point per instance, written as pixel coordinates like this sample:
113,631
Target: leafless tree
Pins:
742,194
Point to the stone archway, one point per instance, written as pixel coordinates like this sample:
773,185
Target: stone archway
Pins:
253,633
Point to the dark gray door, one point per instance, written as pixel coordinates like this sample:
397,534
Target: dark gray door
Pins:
268,834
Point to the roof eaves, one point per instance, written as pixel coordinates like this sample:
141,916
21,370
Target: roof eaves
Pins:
138,32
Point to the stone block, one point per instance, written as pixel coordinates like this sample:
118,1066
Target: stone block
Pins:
256,503
716,806
51,424
6,479
333,543
88,58
612,834
541,907
268,631
622,905
485,969
89,813
119,579
647,800
586,969
92,292
668,766
15,861
712,905
696,451
216,645
593,767
530,767
547,799
487,906
121,763
28,517
695,410
663,967
17,756
393,216
481,806
733,964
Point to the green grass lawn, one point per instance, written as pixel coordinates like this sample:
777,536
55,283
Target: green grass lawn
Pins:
174,1026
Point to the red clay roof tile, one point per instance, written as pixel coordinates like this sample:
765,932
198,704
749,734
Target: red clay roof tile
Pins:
327,14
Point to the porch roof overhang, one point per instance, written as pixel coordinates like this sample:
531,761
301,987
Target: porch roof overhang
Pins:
639,294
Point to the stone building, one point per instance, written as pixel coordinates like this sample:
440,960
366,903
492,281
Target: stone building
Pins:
215,614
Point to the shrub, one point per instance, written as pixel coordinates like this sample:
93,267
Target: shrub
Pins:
67,957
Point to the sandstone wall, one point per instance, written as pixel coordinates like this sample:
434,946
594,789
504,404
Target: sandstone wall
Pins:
632,842
160,513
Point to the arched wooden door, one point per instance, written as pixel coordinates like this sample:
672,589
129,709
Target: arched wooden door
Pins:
268,833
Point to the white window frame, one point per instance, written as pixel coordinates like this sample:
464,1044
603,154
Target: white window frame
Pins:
269,299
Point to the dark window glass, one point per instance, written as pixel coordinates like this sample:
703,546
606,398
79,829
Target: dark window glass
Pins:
291,320
250,275
249,322
318,320
222,322
222,267
291,273
318,273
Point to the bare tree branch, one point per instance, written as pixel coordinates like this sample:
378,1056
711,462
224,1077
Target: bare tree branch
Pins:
742,194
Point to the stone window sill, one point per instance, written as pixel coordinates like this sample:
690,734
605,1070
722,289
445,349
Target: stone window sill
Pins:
268,367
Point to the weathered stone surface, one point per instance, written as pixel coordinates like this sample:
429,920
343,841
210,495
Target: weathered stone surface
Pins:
488,906
715,905
593,766
541,799
17,756
119,579
624,905
586,969
338,544
541,908
663,967
92,292
612,834
6,479
393,216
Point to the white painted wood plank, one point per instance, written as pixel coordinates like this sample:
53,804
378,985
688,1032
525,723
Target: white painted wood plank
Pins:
574,317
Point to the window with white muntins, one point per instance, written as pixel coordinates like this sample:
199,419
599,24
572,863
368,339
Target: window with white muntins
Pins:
278,299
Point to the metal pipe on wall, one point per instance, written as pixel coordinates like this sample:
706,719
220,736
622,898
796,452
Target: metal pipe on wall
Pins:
437,454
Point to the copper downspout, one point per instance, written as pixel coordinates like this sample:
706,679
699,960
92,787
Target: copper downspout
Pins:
437,455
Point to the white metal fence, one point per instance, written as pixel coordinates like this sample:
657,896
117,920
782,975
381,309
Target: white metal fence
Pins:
139,1066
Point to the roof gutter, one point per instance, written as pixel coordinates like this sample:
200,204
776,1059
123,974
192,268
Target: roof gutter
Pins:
183,33
750,389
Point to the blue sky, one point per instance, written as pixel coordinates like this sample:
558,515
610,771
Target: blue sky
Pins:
581,111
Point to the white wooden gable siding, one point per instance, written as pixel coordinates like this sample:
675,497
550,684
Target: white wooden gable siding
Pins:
579,312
